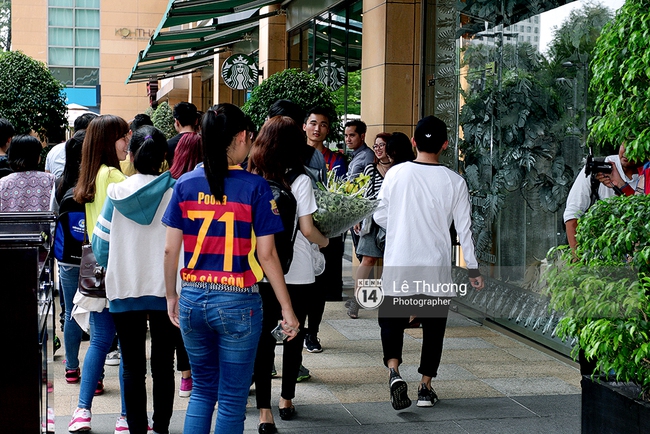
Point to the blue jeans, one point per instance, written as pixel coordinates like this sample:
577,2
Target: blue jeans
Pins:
69,277
221,331
101,337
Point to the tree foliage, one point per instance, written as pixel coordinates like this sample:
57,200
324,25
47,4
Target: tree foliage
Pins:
575,41
163,119
511,135
352,90
30,97
576,37
621,80
298,86
604,290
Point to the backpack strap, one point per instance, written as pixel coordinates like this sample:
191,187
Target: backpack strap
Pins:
593,194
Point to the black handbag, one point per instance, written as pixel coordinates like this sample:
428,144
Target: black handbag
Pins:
91,274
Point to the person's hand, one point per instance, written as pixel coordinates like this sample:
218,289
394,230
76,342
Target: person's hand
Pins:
172,310
356,228
612,179
477,282
290,324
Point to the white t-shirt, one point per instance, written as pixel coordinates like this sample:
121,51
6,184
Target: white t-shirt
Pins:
417,203
301,271
55,160
579,199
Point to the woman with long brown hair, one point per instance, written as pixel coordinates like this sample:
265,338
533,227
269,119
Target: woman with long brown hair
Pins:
275,156
105,145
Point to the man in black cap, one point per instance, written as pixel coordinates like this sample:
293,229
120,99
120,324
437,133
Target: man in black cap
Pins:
418,201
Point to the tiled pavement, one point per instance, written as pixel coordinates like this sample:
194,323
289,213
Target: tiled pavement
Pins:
487,383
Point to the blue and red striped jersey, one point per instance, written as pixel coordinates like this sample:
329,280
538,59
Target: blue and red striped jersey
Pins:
219,235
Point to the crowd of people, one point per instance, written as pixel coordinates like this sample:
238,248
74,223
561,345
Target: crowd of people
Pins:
200,205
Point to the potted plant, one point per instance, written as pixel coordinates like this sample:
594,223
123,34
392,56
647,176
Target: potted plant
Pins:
298,86
603,290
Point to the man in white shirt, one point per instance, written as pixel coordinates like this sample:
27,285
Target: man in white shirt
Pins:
580,197
418,201
55,160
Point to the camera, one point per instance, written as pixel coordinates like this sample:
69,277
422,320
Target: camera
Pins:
597,165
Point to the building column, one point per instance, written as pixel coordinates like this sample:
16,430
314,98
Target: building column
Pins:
222,93
273,44
390,66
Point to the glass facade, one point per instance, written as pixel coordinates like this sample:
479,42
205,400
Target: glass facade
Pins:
333,38
516,137
73,41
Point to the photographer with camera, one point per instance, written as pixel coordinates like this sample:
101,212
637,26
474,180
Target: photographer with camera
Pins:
619,184
598,180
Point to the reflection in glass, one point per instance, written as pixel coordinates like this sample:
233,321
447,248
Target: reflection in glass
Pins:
87,77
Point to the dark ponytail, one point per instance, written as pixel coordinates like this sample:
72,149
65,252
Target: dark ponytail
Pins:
219,127
148,146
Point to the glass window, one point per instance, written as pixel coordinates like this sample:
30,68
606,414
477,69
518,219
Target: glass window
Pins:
86,57
89,4
60,17
527,38
86,38
86,77
60,37
64,75
536,38
73,41
87,18
60,56
528,29
536,19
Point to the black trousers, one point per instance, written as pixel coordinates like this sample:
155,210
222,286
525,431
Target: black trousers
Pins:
393,319
132,331
292,354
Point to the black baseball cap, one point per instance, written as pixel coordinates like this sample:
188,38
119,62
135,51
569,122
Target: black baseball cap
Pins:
430,132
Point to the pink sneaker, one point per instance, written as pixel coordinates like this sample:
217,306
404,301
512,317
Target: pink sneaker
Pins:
72,376
122,426
80,420
186,387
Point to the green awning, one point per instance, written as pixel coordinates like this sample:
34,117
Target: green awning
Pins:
168,52
171,68
190,11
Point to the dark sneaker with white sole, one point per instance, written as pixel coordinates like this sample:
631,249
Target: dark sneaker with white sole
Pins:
399,398
426,397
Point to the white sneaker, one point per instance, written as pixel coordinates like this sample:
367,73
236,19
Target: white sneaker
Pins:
113,358
80,420
121,426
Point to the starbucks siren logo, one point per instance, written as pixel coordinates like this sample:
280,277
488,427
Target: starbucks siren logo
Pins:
239,71
329,72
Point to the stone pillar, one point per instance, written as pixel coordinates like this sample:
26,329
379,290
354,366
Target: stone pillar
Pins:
222,93
390,66
195,90
273,44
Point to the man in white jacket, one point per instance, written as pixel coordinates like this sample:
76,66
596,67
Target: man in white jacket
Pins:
580,197
418,201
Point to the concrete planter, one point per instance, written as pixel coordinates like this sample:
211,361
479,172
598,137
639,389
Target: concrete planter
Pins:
610,407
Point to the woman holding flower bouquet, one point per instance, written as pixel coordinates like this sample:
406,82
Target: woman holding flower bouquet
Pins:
275,156
390,149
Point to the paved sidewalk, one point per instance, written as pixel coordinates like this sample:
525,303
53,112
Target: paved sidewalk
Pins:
487,383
